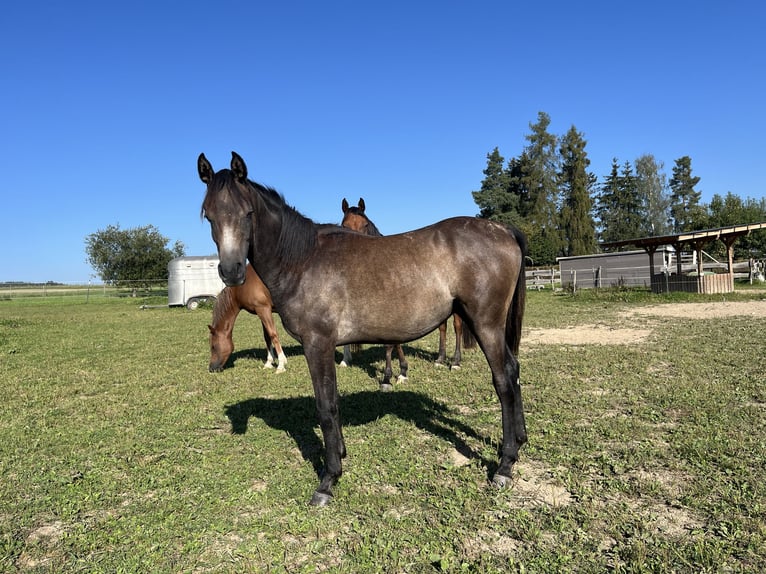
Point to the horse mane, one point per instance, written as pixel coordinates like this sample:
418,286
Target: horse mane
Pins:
224,302
373,229
298,234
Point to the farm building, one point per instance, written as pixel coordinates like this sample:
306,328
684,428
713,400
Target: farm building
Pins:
664,278
193,279
623,268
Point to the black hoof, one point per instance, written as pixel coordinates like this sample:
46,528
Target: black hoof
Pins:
501,481
386,387
320,499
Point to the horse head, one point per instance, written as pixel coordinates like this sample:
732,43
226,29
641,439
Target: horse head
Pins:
221,347
354,217
228,206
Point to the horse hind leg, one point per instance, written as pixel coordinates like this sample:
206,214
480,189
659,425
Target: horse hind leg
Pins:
346,361
441,359
505,378
464,339
458,325
403,364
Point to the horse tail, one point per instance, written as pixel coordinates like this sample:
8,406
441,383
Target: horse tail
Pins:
469,341
516,310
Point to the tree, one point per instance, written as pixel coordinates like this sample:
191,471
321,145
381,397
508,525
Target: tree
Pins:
539,179
685,209
137,254
619,205
733,210
651,184
578,227
494,198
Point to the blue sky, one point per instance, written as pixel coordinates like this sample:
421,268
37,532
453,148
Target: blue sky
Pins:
105,106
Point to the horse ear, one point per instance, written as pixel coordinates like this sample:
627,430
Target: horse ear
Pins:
361,204
204,169
238,166
344,205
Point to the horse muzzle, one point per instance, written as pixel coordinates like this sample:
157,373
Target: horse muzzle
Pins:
232,274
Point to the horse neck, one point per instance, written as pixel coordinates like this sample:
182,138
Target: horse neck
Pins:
282,241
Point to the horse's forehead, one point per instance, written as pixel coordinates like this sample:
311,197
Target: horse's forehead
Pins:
224,200
353,219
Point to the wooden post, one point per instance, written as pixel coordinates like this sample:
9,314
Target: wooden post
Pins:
651,250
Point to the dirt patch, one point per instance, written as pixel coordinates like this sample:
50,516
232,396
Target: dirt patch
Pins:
586,335
755,309
534,486
600,334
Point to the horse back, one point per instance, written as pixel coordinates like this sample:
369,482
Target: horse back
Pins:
400,287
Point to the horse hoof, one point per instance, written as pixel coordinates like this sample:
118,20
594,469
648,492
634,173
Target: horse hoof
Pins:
455,367
268,366
343,364
401,379
320,499
501,481
281,370
386,387
439,364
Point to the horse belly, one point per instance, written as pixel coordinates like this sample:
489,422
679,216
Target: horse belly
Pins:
393,321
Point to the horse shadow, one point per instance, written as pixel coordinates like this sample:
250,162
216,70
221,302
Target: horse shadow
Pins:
296,416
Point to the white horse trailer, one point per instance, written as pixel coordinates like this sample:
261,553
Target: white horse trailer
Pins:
193,279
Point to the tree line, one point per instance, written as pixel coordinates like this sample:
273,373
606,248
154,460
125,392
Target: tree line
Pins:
549,193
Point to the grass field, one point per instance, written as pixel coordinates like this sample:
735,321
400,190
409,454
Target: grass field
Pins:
119,452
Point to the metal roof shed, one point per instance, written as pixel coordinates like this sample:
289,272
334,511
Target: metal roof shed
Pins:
700,283
622,268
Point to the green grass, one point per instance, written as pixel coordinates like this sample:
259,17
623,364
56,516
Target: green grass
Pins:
119,452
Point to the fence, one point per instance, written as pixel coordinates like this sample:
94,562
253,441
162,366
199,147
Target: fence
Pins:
542,278
85,290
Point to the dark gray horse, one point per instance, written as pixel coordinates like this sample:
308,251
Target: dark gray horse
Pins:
335,288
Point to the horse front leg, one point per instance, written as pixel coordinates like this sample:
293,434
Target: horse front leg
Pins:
320,356
273,347
281,357
269,364
385,384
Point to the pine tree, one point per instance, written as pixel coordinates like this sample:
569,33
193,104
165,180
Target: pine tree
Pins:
685,208
607,205
630,204
494,198
578,227
619,205
539,180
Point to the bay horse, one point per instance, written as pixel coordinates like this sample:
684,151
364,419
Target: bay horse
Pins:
336,288
354,217
254,297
